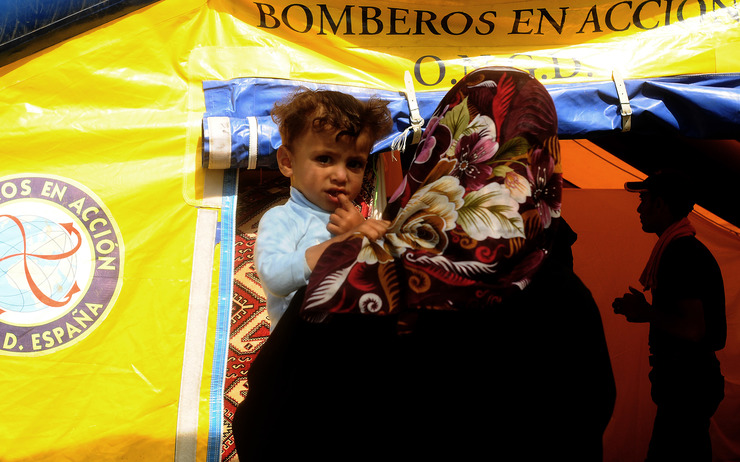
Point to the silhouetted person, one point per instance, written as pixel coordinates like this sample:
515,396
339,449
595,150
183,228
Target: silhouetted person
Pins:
687,321
528,380
464,334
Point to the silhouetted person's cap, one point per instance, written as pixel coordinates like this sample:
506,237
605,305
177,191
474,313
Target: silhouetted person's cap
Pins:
673,186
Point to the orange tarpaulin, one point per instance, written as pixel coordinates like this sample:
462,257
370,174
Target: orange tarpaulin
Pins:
609,255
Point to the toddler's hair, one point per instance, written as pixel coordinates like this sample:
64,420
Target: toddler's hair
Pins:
328,109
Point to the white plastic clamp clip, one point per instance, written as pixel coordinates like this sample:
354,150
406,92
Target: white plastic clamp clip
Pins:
625,110
415,119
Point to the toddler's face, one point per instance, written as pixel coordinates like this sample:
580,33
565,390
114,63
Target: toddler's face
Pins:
327,163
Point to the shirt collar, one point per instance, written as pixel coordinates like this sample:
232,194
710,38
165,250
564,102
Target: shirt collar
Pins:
301,200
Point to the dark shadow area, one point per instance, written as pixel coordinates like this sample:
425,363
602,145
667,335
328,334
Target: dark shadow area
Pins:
37,24
714,165
528,380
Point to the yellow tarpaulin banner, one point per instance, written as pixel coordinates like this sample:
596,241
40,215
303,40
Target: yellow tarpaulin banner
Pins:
104,205
97,243
442,40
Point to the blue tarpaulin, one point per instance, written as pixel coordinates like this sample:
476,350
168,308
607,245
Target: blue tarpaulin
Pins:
697,106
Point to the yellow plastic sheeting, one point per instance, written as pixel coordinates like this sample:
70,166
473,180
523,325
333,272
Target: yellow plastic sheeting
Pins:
439,40
95,135
117,111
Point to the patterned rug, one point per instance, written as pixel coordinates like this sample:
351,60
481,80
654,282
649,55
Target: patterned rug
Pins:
249,330
249,324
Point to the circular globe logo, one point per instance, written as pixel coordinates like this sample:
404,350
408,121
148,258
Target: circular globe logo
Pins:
61,261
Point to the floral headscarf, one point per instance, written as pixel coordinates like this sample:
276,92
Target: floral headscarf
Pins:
474,216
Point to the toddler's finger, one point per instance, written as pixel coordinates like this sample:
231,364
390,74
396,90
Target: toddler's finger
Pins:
344,201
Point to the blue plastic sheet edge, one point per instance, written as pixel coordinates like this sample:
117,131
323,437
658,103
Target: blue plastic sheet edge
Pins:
240,98
697,106
223,315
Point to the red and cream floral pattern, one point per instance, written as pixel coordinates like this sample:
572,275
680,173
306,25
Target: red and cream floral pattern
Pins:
471,220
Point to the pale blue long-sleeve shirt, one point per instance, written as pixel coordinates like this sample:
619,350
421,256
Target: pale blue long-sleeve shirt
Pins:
284,234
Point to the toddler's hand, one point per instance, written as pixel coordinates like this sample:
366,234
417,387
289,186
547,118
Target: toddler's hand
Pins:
373,229
345,218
